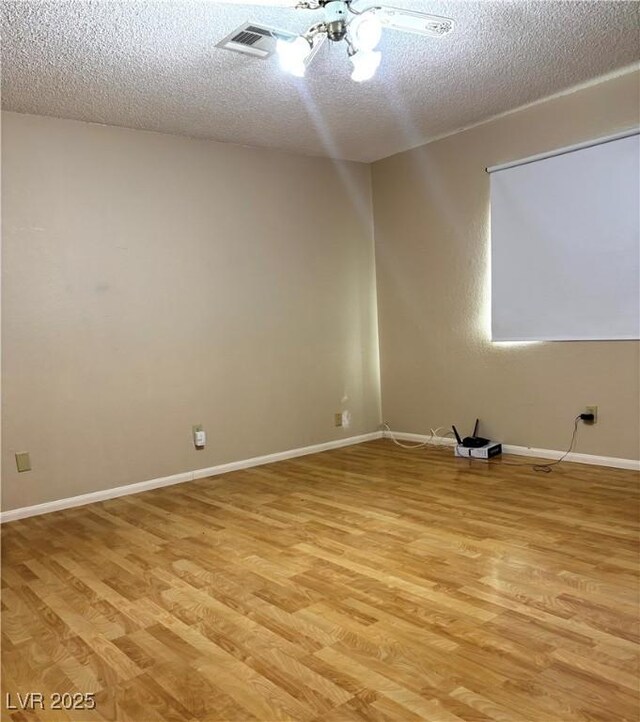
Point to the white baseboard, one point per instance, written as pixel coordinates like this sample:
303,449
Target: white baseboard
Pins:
577,458
83,499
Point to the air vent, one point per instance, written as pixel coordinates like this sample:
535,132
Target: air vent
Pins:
246,38
257,30
255,40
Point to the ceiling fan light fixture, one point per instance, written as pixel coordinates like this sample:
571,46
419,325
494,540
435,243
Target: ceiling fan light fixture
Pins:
365,32
361,31
292,55
365,64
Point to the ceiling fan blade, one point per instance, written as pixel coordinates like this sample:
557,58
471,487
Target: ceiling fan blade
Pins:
318,42
411,21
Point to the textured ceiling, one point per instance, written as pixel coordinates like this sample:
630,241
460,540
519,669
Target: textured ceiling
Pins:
154,65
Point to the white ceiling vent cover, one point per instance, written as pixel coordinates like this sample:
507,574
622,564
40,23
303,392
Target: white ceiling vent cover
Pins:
255,40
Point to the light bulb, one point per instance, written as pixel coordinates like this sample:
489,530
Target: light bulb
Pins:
292,55
365,64
365,32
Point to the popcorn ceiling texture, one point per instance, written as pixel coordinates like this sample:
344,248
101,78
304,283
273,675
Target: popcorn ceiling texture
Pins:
154,65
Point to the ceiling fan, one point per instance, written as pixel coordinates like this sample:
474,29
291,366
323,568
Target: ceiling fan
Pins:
360,30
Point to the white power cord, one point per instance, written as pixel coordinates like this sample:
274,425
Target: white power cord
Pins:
433,434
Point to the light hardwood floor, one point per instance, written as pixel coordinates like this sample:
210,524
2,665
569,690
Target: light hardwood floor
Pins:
367,583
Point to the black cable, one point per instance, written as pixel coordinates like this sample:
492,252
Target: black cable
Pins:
548,468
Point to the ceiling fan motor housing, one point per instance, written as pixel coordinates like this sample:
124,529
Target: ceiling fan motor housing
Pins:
336,19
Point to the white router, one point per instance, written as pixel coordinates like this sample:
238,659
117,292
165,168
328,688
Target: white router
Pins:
488,451
476,447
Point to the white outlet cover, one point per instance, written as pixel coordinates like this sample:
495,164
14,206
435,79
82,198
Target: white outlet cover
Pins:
346,419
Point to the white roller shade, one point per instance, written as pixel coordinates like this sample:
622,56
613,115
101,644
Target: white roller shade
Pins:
565,245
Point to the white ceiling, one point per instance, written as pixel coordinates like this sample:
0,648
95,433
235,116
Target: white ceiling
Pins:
154,65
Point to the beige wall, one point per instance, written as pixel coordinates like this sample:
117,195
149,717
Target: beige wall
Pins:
152,282
438,365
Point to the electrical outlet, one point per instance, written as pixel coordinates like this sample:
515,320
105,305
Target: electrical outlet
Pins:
593,410
337,419
346,419
199,436
23,461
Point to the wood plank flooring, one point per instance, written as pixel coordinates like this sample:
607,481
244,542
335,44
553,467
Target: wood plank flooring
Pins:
366,583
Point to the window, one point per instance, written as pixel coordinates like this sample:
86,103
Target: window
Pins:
565,244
